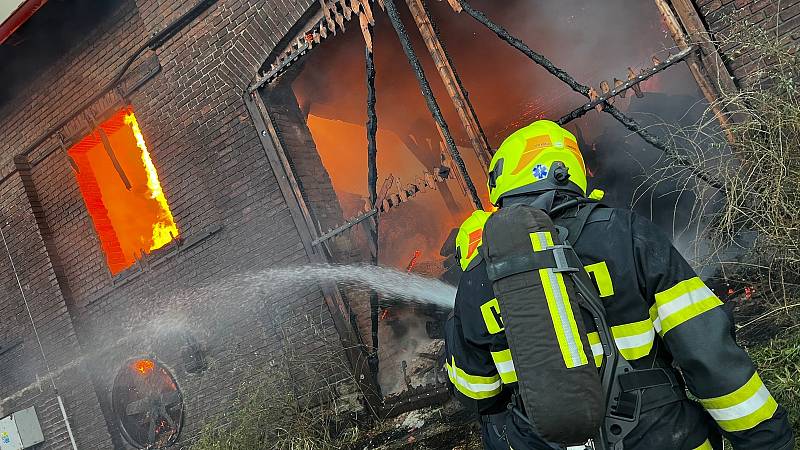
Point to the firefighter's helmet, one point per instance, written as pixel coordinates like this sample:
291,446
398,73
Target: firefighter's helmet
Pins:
528,161
469,238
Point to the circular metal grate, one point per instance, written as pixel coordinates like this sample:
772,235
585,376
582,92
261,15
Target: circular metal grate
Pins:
147,404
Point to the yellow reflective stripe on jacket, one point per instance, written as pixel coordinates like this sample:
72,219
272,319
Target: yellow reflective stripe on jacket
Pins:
634,340
706,445
599,271
563,319
596,346
541,240
743,408
505,366
473,386
681,303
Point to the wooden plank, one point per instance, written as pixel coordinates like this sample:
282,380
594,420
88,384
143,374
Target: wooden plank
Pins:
348,12
328,19
449,78
113,157
365,31
698,34
704,80
368,11
455,5
290,189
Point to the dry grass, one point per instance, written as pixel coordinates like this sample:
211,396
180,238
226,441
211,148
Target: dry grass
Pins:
779,367
300,402
752,229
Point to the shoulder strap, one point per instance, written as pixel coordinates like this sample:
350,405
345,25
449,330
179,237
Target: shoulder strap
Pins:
575,224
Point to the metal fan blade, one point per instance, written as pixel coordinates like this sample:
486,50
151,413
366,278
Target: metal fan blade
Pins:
138,407
170,398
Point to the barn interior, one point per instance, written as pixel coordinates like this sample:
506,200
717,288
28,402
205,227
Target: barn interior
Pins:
318,102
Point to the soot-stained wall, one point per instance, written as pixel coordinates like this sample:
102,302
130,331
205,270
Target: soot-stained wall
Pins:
223,194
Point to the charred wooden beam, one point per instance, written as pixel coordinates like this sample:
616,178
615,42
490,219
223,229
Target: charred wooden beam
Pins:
452,82
433,106
371,225
710,57
620,87
696,66
372,130
386,202
113,157
562,75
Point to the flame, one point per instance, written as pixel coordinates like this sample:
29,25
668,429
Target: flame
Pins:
165,230
413,262
144,366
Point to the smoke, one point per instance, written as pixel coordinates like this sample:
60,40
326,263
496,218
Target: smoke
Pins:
508,91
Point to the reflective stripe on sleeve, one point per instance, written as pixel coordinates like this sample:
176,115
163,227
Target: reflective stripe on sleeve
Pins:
743,408
473,386
634,340
681,303
706,445
490,311
505,366
563,318
597,347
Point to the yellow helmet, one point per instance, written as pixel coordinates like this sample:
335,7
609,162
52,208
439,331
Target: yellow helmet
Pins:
525,162
469,238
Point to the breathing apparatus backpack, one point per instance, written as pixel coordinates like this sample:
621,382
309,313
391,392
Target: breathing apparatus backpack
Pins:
549,305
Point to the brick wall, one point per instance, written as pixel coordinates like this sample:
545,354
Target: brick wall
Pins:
721,16
225,200
55,331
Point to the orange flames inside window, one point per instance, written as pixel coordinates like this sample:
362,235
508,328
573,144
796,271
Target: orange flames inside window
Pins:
129,221
143,366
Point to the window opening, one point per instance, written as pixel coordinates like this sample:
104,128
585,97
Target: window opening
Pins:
120,186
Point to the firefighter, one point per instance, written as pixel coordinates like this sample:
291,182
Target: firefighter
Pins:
662,316
492,418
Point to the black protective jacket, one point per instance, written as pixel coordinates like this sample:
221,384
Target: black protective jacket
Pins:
661,314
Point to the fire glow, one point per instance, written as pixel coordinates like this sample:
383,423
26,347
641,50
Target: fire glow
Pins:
163,231
123,195
143,366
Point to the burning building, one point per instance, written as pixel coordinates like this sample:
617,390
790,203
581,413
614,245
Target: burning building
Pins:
158,158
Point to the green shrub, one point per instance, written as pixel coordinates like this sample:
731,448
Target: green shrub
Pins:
778,364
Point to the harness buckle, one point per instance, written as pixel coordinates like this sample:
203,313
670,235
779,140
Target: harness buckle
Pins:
560,258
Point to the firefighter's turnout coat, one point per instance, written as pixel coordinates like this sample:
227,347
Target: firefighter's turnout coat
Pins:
661,315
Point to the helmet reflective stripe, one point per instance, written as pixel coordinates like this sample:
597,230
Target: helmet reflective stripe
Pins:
527,157
469,237
533,147
475,239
